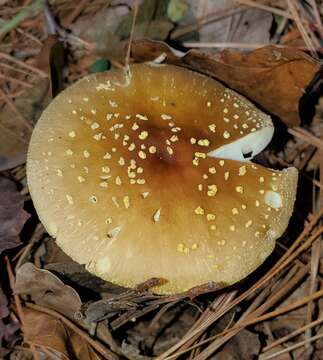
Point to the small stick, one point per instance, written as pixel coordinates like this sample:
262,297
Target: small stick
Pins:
301,28
23,64
75,13
264,7
293,347
292,334
236,45
207,19
17,81
18,302
127,59
317,15
36,236
306,136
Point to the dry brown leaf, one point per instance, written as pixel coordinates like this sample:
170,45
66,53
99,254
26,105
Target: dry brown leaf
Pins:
12,215
274,78
45,331
244,346
8,326
14,136
46,289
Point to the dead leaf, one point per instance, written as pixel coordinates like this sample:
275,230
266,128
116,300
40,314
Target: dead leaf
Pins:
274,78
8,327
131,352
46,289
244,346
12,215
248,26
14,136
48,332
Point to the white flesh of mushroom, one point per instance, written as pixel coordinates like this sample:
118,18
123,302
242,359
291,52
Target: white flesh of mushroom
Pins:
251,144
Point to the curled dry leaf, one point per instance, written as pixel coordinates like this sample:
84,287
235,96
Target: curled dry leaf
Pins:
12,215
273,77
46,289
48,332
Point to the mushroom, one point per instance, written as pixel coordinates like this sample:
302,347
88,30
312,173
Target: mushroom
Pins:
148,174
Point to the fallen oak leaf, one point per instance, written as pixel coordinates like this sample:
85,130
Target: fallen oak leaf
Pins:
46,289
12,215
44,330
274,78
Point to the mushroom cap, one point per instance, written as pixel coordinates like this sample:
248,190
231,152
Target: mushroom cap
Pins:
142,174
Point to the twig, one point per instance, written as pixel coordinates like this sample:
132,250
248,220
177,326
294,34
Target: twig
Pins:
236,45
14,68
21,16
29,36
292,334
306,136
207,318
317,15
224,45
36,236
301,28
135,13
293,347
76,12
212,17
23,64
261,6
17,81
18,302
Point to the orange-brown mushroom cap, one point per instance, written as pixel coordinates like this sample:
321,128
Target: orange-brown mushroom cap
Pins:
142,175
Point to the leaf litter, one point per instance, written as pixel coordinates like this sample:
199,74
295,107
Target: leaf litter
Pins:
14,134
68,313
12,215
